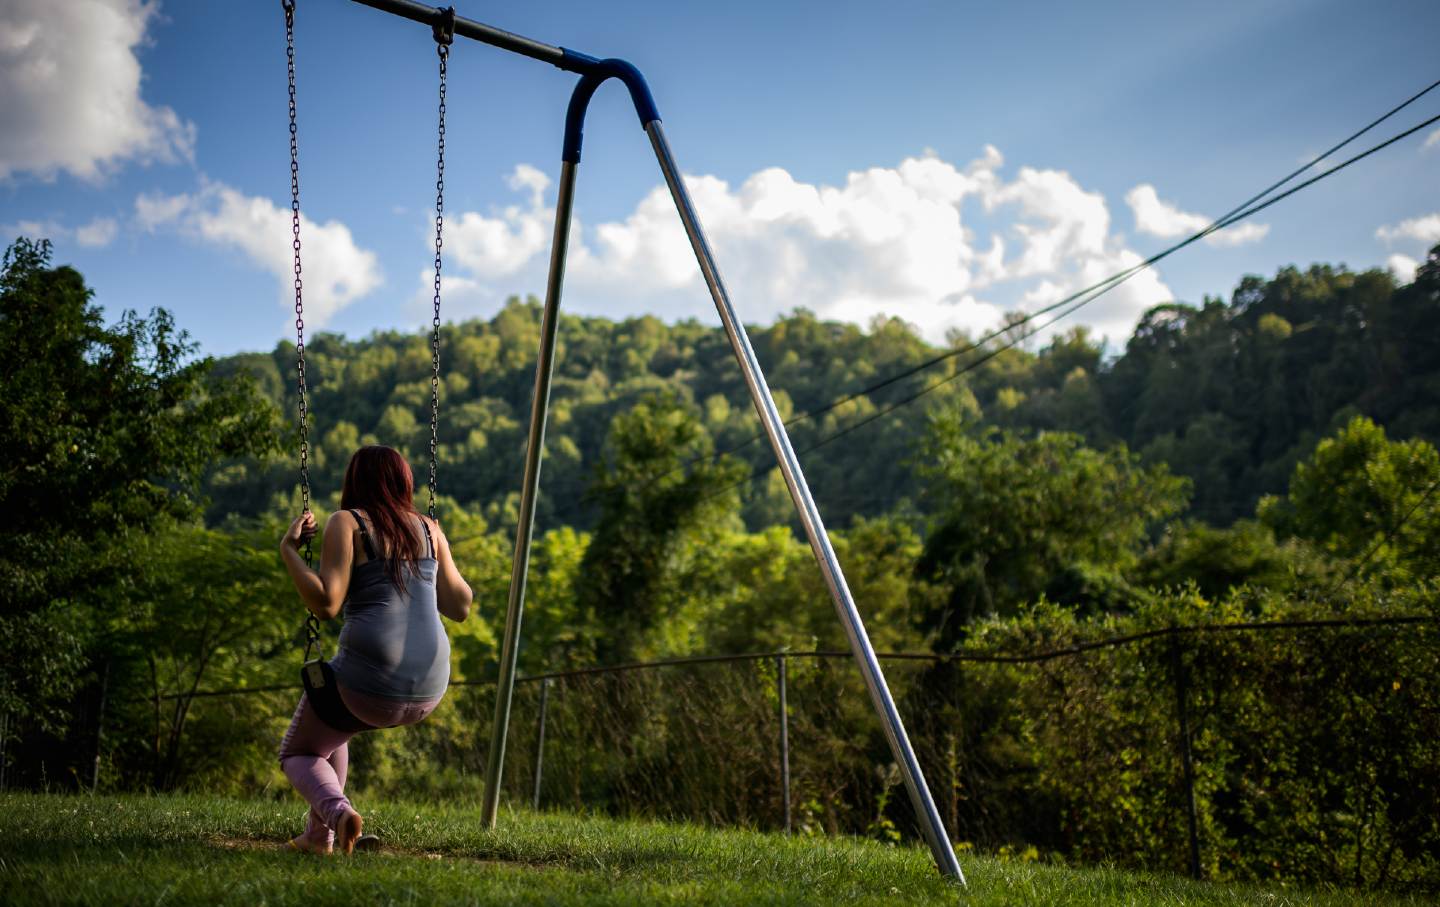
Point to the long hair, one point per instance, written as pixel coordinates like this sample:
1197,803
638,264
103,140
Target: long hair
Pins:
379,481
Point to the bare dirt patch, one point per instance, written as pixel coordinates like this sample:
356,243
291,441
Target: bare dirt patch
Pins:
387,849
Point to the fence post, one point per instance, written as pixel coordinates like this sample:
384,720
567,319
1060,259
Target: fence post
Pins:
540,741
784,715
100,726
1177,663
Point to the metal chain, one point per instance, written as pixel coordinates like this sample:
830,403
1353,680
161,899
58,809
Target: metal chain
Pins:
444,33
312,623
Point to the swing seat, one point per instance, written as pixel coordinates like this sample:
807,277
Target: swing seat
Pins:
318,679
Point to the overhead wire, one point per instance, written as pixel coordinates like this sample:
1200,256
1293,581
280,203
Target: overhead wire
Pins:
1219,223
1070,303
1095,292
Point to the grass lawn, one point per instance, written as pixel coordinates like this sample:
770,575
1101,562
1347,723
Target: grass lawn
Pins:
203,850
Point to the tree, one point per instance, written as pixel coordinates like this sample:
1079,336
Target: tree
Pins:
1017,519
108,432
1365,498
657,483
1218,560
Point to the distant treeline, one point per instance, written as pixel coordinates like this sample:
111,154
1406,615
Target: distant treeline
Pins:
1229,394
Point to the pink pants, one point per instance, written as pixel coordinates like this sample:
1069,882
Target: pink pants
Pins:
316,757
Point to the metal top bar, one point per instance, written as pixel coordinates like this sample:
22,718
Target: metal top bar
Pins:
594,70
486,34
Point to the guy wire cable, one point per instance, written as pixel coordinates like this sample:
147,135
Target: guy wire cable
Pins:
1250,206
1095,292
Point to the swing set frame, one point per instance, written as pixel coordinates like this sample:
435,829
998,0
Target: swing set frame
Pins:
594,72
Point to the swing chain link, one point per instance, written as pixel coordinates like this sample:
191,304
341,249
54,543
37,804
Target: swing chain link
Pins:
444,33
312,637
301,384
312,623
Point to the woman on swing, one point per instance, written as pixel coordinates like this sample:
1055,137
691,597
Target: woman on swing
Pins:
390,569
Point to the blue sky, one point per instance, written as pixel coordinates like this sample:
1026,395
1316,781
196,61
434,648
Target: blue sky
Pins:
943,162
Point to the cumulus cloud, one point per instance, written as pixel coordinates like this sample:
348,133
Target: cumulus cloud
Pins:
1425,229
889,241
1431,141
96,234
337,271
1158,217
70,81
1403,267
35,229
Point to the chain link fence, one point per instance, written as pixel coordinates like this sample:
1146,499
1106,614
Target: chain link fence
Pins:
1304,750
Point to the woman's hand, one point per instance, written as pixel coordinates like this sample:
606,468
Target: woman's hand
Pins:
300,531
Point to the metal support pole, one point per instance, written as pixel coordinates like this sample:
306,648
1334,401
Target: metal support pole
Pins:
784,739
539,409
931,824
1187,763
540,742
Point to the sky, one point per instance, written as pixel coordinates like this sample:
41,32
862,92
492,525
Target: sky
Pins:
942,162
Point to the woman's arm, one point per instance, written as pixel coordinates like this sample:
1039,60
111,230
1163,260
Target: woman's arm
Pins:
322,592
452,593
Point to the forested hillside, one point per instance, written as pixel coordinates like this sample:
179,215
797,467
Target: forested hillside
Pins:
1049,510
1230,394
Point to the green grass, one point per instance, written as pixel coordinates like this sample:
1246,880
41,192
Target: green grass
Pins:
204,850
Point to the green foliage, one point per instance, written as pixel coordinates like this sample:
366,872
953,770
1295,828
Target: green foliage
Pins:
1234,395
1019,518
206,610
1215,561
108,433
1005,510
1312,758
650,501
1364,497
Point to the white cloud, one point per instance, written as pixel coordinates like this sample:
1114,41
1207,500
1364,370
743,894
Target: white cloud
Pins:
1403,267
1425,229
34,229
1238,234
528,177
98,233
890,240
70,81
152,211
1431,141
1160,218
336,270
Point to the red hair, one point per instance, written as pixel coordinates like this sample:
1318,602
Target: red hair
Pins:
379,481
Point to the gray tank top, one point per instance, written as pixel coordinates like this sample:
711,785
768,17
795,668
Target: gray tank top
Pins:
392,644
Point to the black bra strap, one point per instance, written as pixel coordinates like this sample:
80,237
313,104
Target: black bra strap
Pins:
425,524
365,536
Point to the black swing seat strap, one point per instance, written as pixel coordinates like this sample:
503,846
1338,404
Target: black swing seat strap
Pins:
318,678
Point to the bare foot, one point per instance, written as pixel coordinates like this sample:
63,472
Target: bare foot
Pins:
299,843
348,831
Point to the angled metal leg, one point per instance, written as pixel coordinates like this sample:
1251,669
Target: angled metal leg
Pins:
535,449
930,822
